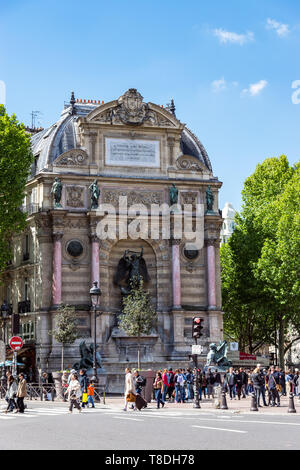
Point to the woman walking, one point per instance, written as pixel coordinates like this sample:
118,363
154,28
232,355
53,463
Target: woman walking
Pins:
158,388
74,393
11,394
129,387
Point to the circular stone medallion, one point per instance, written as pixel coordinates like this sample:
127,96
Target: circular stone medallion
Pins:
74,248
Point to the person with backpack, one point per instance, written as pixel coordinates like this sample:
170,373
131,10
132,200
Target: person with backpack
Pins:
179,386
184,373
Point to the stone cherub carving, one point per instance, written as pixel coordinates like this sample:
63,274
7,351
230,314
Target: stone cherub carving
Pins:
56,190
131,269
87,357
95,194
217,355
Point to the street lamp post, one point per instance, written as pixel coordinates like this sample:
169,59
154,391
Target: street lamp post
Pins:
4,313
95,294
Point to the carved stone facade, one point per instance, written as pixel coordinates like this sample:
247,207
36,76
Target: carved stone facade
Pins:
154,150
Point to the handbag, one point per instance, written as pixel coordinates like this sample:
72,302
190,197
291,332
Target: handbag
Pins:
131,397
84,397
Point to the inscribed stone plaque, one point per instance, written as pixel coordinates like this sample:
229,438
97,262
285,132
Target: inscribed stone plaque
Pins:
128,152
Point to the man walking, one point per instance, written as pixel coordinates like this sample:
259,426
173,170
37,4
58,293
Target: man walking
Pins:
274,387
190,384
230,380
21,394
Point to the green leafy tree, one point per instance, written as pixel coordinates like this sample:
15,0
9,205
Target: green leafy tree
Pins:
244,302
138,317
260,264
15,162
66,328
279,265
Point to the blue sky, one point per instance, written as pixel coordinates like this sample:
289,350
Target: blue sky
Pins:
228,65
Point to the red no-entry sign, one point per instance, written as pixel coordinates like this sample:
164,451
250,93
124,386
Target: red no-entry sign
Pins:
16,343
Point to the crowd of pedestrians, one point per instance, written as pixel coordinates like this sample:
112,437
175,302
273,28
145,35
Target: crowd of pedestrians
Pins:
77,389
179,385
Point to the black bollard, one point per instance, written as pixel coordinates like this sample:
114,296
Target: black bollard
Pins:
253,402
292,408
223,401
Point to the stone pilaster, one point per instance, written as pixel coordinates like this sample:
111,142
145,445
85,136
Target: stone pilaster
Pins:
211,274
57,269
176,279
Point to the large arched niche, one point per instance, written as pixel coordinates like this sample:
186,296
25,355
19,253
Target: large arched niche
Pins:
116,252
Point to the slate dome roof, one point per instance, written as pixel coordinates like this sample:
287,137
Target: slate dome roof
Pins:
63,136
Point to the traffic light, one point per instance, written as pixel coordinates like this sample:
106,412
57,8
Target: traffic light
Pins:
197,327
15,323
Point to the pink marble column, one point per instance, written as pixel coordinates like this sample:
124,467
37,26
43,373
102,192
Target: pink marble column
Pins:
176,281
95,265
56,276
211,275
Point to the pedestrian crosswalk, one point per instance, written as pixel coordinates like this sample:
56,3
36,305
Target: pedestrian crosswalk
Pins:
36,412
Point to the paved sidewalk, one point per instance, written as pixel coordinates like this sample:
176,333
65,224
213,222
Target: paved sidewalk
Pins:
234,406
242,406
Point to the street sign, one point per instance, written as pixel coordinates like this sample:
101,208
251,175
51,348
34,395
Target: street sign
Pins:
16,343
234,346
197,349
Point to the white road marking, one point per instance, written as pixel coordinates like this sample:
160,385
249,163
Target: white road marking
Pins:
127,418
219,429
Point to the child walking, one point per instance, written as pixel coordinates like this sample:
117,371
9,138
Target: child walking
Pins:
91,393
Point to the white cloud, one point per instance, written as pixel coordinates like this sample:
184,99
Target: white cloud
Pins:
234,38
218,85
255,88
280,28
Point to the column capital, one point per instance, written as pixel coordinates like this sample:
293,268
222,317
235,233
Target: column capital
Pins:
94,238
212,242
176,241
57,236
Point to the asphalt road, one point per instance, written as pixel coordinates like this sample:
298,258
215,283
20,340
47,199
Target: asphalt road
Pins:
50,426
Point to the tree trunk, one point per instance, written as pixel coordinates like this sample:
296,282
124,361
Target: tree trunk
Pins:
139,352
62,357
281,342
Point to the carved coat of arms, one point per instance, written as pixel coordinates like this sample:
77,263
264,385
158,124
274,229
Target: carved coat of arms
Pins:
132,110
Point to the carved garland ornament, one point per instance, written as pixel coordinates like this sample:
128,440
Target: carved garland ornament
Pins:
133,197
76,157
189,163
